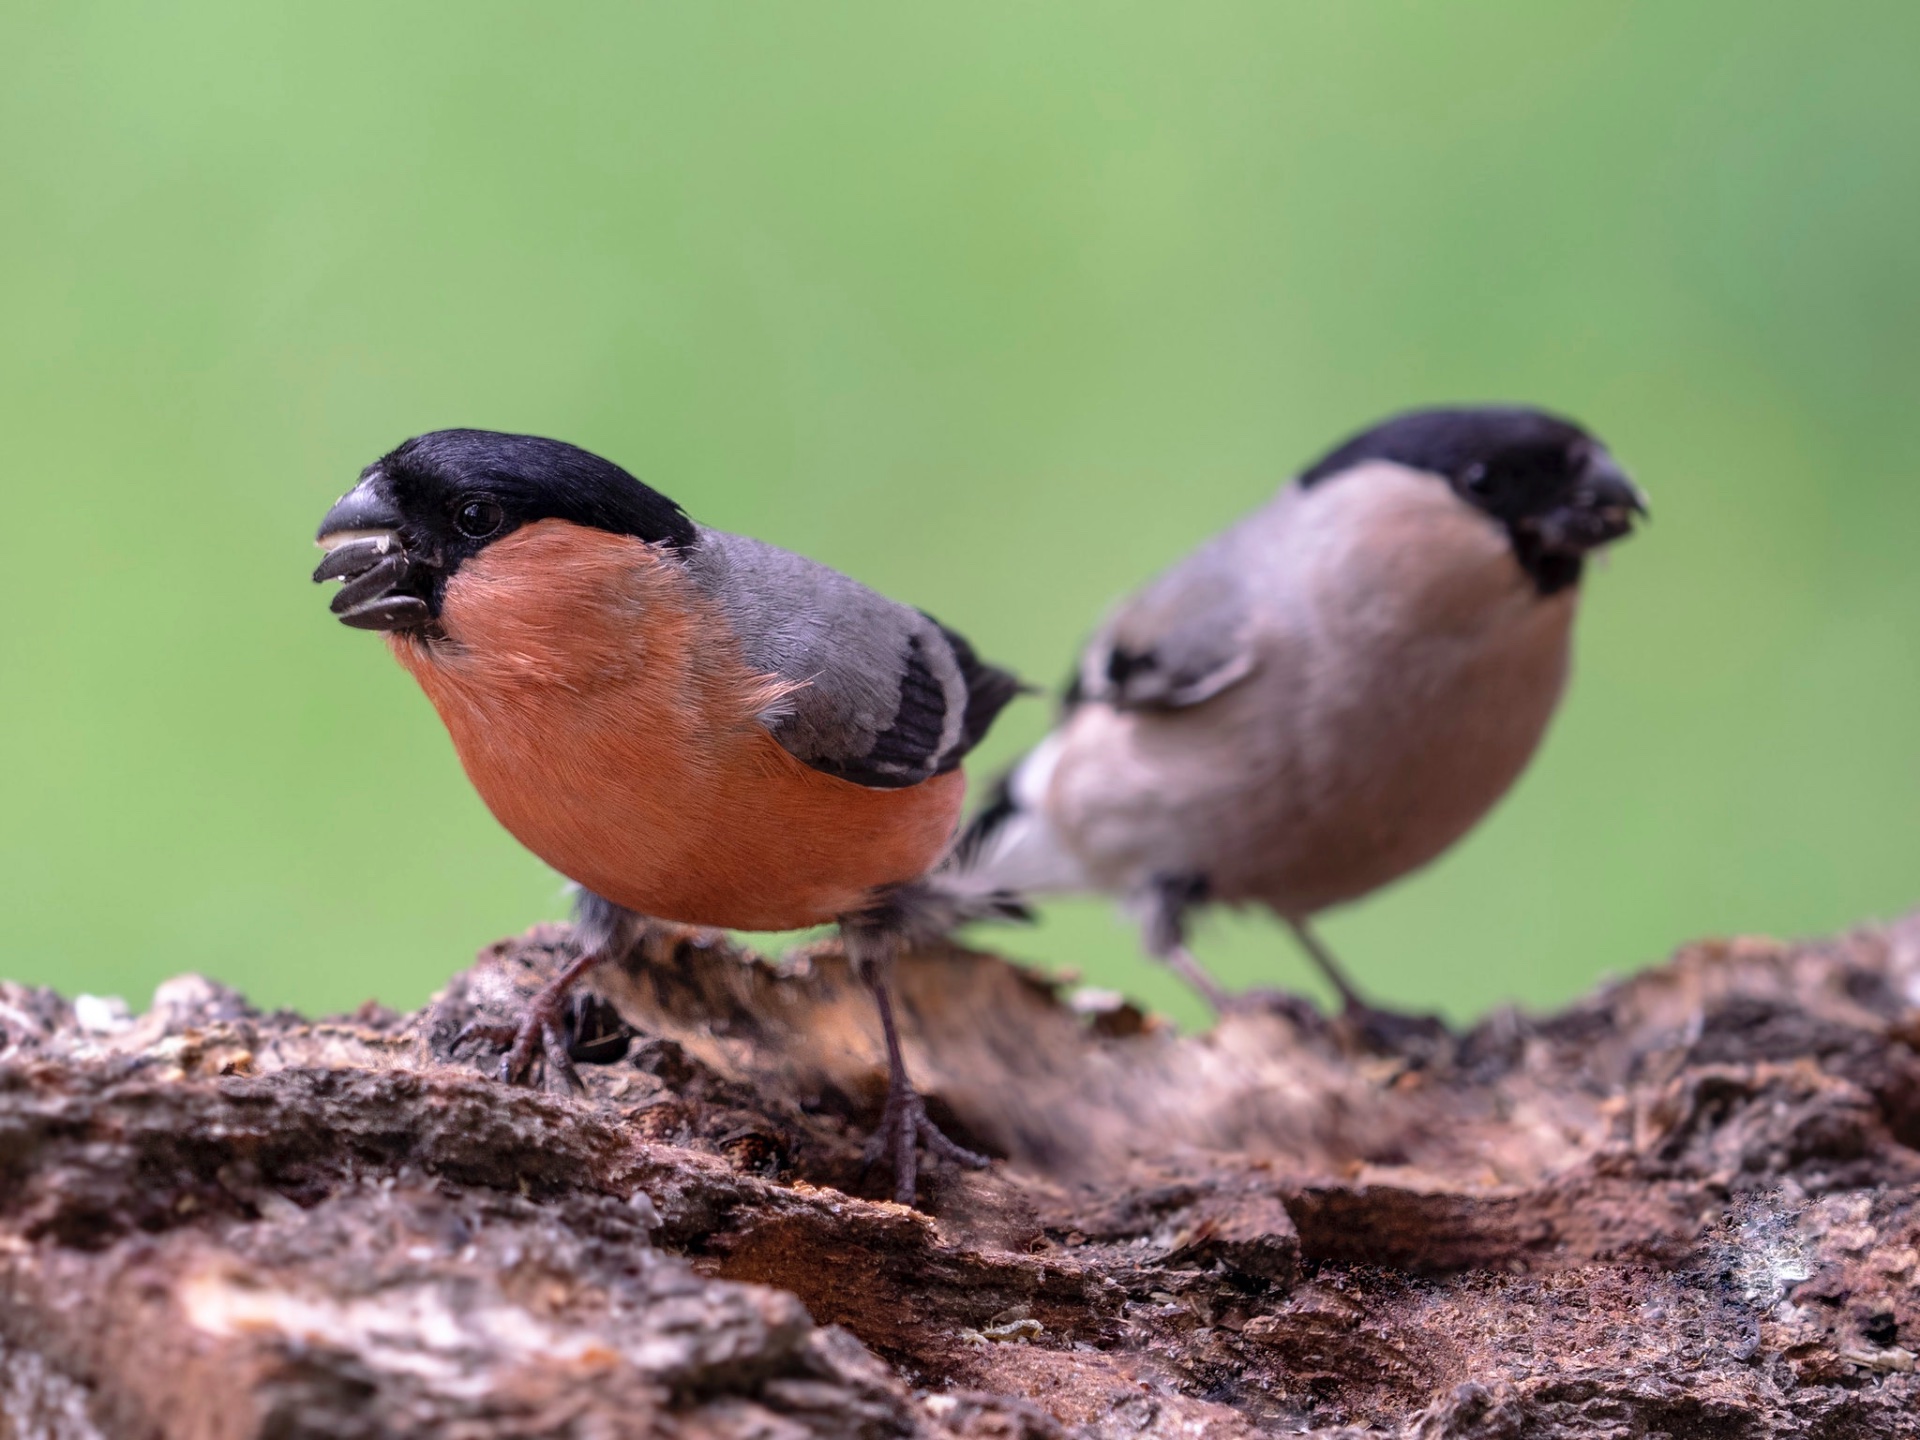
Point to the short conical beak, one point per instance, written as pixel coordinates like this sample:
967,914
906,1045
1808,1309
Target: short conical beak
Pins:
1595,510
1611,488
364,512
383,587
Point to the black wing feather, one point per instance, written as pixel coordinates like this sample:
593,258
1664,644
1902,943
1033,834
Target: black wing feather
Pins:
907,747
909,750
987,821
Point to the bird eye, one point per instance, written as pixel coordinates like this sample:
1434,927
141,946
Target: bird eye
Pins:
477,519
1474,477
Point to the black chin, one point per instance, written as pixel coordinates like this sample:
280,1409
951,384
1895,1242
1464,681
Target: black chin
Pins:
1550,570
386,588
1576,530
1553,547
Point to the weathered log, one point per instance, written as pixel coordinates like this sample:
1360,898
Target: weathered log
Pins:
1684,1206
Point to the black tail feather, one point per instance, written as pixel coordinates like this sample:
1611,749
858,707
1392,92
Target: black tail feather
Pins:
922,911
987,821
989,691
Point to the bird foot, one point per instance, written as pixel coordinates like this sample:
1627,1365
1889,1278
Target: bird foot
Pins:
905,1126
1262,1001
539,1031
1384,1032
1391,1032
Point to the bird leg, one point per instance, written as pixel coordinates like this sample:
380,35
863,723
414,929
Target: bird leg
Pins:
603,931
1161,907
540,1026
1223,1001
1386,1030
904,1123
1181,961
1350,999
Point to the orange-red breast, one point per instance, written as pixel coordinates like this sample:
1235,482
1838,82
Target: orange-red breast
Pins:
689,724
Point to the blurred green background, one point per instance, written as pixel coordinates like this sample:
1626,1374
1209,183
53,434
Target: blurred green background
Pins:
998,307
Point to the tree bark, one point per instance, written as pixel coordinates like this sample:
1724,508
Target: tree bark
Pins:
1685,1206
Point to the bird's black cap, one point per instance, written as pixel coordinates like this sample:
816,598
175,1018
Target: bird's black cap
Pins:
437,500
1554,487
1451,440
530,478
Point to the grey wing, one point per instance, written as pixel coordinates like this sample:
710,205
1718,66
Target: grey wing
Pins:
1180,640
888,696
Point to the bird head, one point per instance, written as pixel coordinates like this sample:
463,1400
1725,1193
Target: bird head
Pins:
1550,484
424,509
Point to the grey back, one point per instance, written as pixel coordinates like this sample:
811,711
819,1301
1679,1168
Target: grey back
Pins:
888,697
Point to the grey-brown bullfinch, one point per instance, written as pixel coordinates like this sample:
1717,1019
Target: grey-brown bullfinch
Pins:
689,724
1325,696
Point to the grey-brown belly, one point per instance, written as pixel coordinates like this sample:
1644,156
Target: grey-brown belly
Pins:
1274,795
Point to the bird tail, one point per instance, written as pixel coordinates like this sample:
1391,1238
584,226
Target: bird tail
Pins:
1009,850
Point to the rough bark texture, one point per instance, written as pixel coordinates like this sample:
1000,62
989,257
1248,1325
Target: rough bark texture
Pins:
1684,1207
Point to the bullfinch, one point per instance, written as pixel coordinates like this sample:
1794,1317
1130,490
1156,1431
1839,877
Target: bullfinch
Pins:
1322,698
688,724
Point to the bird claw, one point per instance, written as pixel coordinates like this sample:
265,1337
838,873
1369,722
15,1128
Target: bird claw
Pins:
939,1143
905,1126
540,1029
1383,1032
1263,1001
1389,1032
491,1031
560,1068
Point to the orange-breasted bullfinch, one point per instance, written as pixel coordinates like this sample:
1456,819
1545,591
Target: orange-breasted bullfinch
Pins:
688,724
1325,696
